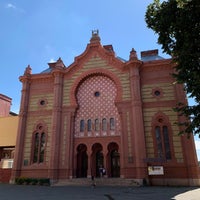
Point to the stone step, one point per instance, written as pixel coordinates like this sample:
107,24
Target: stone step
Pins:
98,181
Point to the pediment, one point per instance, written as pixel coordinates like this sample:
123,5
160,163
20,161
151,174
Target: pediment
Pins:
95,50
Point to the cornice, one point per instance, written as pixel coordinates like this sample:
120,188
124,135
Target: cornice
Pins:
157,65
40,112
37,77
133,63
161,103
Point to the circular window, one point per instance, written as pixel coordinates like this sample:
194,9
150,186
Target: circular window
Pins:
42,102
97,94
157,93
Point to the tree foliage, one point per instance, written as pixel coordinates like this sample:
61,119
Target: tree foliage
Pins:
177,23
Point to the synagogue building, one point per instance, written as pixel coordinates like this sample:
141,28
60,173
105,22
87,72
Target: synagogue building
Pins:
104,112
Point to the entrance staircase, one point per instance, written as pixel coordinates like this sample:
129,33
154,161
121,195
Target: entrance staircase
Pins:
98,182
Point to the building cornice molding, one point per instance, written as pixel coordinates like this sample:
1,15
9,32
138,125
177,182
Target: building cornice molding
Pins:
157,65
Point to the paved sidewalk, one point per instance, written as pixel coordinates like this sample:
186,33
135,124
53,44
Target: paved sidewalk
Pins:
20,192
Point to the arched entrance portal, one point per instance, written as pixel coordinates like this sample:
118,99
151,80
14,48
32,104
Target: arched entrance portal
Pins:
97,159
113,160
82,161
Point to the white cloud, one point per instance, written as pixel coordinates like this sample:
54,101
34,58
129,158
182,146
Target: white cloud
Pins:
14,7
197,144
52,60
10,5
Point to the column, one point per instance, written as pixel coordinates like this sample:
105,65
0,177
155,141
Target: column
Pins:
89,171
71,145
105,165
123,135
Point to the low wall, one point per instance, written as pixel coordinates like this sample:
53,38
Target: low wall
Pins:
5,175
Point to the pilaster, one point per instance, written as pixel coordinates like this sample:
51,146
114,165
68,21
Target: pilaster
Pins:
137,115
19,148
71,144
89,171
56,122
188,146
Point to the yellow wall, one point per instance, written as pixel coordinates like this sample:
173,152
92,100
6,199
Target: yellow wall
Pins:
149,113
40,90
167,90
35,98
8,130
176,139
31,123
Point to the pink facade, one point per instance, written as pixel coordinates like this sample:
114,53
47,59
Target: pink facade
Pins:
103,111
96,100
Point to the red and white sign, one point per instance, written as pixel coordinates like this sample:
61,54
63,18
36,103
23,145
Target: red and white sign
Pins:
155,170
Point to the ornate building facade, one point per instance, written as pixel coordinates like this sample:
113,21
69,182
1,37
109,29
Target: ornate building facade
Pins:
103,111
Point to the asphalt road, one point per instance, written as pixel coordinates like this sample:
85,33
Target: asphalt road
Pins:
27,192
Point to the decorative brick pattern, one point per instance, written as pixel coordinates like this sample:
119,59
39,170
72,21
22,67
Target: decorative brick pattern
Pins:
97,107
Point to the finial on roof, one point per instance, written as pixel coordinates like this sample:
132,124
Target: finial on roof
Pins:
95,36
95,32
59,60
28,70
59,63
133,55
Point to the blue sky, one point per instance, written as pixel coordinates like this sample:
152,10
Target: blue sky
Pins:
37,32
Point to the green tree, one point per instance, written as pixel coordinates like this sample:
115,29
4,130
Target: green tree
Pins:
177,23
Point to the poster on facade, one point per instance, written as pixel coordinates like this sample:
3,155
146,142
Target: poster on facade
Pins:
6,163
155,170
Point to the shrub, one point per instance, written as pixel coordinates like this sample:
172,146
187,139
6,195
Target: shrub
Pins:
44,181
32,181
20,180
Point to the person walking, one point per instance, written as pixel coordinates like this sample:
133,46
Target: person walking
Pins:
93,182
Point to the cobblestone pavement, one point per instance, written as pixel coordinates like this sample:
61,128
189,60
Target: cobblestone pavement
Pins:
23,192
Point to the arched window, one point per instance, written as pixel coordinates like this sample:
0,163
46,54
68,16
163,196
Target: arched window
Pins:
96,125
166,143
159,142
162,140
112,124
89,125
82,125
36,147
39,147
104,125
42,147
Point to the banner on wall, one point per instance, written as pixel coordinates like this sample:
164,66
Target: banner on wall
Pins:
155,170
6,163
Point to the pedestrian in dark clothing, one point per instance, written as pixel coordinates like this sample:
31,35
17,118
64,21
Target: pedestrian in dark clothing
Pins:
93,182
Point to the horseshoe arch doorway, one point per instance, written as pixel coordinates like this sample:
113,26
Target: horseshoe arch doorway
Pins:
97,159
82,161
113,158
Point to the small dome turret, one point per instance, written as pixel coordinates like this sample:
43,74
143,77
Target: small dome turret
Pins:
133,55
95,37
